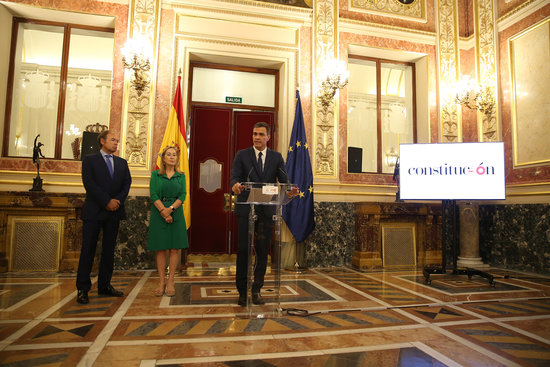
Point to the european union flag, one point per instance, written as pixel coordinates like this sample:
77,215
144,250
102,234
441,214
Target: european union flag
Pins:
298,214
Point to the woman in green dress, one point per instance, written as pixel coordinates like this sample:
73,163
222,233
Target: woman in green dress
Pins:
167,228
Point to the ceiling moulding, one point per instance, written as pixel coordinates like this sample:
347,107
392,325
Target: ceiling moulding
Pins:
254,33
383,53
520,12
262,12
34,12
384,31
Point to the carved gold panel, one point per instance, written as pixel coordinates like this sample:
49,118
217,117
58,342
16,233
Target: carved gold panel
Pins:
325,119
137,117
447,48
486,62
408,9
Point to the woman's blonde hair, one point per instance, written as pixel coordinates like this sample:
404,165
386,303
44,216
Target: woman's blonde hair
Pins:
162,168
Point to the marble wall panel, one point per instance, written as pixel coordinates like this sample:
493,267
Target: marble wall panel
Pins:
131,250
531,74
511,236
331,243
516,236
538,173
166,81
469,116
333,240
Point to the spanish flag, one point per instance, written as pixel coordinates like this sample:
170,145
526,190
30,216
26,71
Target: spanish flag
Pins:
175,136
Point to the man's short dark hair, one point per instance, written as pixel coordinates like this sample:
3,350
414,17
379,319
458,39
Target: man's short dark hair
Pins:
263,124
102,135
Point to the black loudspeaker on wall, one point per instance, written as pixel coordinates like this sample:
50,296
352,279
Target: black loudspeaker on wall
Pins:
89,144
355,160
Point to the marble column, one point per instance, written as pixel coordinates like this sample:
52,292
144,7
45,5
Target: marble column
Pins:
469,236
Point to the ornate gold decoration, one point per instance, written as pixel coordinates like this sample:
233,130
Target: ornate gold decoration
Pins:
333,78
447,46
137,61
415,9
325,28
139,95
136,137
476,98
486,68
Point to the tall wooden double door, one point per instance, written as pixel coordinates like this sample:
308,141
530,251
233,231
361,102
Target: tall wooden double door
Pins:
217,134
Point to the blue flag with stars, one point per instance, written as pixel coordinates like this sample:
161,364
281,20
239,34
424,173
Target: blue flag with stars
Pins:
298,214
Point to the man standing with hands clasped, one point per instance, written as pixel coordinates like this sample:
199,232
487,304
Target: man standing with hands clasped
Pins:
107,181
263,165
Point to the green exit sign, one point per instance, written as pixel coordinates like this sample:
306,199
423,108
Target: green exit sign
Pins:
233,99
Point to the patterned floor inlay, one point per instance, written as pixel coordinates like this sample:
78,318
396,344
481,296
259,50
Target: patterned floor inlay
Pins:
11,294
209,327
63,332
382,291
511,308
458,284
438,314
335,317
45,358
99,305
514,346
223,293
398,357
504,274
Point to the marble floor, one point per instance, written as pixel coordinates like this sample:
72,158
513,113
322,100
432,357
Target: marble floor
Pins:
326,317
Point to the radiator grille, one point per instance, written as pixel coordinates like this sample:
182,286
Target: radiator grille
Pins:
35,243
398,244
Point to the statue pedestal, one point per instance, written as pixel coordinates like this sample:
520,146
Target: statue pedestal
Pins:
37,184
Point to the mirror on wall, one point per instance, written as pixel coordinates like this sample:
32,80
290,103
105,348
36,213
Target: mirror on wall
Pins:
380,113
61,84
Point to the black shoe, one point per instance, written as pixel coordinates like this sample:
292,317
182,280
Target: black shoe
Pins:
110,291
242,301
82,297
257,299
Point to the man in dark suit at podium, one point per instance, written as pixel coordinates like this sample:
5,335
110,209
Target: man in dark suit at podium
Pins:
255,164
107,181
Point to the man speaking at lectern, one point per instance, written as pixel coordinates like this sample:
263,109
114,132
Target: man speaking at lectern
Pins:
255,164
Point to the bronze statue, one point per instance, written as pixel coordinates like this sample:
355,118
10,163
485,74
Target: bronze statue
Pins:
36,155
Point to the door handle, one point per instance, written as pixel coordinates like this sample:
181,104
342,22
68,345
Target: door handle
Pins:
229,202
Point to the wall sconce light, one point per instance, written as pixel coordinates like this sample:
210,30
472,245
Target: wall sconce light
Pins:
475,97
333,77
135,57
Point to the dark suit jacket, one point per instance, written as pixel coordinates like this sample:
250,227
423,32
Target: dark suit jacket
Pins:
245,169
101,188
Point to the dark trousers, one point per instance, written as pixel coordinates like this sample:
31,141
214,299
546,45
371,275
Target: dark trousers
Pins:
90,234
263,229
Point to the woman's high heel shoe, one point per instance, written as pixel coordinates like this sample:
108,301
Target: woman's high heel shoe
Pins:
159,292
171,293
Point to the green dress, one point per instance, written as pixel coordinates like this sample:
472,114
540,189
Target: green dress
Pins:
162,235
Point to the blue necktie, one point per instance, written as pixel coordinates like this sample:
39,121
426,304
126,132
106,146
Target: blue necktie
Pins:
260,162
109,164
